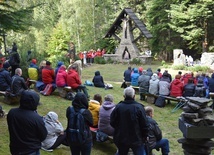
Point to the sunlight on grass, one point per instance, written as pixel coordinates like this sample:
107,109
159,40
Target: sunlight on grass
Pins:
113,74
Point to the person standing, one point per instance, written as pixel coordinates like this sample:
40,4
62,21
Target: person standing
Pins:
26,127
14,59
155,135
81,102
130,124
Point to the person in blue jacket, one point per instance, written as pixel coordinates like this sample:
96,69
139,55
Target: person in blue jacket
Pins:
134,77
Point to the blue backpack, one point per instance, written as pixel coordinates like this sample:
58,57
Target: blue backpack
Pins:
76,130
88,83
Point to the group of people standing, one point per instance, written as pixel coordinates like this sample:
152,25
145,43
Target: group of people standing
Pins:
87,57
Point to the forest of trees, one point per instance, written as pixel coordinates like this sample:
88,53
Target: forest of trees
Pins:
46,27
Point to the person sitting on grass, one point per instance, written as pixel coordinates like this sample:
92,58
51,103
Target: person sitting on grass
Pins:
104,115
155,135
56,135
98,80
94,107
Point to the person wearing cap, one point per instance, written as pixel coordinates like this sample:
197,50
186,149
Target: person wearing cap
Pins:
56,135
130,124
33,70
5,79
18,84
26,127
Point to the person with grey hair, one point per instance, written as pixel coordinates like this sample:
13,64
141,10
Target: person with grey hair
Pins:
104,115
130,124
18,84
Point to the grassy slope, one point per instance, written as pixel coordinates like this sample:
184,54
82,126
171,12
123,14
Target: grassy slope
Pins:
113,74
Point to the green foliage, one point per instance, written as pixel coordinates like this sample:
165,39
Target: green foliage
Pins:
57,46
135,61
200,18
178,67
99,60
109,61
163,62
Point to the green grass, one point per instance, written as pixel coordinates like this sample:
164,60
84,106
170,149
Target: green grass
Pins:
113,74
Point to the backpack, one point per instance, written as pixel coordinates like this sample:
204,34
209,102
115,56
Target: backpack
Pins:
88,83
199,91
70,96
48,90
76,130
160,101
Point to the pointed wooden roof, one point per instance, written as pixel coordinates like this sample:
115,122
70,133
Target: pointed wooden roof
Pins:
117,23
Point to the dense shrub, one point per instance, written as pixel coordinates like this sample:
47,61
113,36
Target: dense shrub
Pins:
109,61
135,61
99,60
178,67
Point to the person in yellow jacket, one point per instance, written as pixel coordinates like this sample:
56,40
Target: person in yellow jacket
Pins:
33,70
94,107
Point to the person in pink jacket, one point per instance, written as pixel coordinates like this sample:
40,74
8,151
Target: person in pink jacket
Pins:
61,77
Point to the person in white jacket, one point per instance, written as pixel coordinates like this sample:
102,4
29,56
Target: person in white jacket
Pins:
56,135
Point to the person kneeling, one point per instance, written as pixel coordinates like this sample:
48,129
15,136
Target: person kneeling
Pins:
155,135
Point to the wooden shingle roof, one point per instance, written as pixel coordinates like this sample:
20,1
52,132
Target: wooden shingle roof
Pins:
139,24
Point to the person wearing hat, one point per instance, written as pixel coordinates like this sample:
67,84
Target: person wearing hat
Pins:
5,79
56,135
33,70
26,127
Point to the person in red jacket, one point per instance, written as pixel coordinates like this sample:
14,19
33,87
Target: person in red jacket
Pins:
176,87
48,74
73,80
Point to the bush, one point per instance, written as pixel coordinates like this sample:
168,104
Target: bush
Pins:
136,61
179,67
163,62
109,61
99,60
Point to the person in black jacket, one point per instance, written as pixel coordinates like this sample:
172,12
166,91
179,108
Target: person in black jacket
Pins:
81,102
14,59
5,79
26,127
18,84
127,76
189,88
130,124
155,135
98,80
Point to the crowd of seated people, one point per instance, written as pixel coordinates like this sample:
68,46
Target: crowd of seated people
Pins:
158,83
